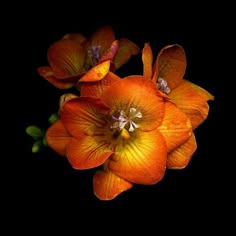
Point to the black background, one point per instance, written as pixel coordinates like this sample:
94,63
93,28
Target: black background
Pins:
43,190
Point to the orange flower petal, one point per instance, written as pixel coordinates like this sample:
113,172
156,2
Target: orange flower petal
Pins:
65,98
126,49
147,58
87,152
142,159
202,92
181,156
176,127
140,93
190,102
61,83
84,115
170,65
97,72
58,137
66,57
95,89
108,185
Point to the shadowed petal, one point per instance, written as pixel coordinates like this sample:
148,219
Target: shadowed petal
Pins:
147,58
176,127
102,37
95,89
170,65
58,137
126,49
61,83
84,115
79,38
66,57
139,93
141,160
97,72
87,152
181,156
108,185
190,102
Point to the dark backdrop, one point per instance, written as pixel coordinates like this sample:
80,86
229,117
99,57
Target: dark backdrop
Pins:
43,189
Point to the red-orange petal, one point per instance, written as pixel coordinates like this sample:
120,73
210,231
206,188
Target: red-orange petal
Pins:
147,58
190,102
95,89
140,159
85,152
108,185
170,65
97,72
66,57
60,83
126,49
58,137
176,127
84,115
181,156
139,93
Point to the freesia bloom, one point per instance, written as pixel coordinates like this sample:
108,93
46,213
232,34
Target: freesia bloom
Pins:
167,73
131,129
75,55
122,126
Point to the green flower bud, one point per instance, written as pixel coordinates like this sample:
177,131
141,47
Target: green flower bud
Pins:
54,117
35,132
37,146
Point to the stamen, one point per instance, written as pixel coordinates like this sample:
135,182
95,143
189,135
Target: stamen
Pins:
123,120
95,54
163,85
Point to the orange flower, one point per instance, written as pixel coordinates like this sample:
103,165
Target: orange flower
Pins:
74,55
167,73
125,127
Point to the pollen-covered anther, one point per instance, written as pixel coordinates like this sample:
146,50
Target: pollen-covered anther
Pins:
163,85
95,54
122,120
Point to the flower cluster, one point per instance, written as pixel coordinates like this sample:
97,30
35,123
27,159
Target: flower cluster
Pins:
130,129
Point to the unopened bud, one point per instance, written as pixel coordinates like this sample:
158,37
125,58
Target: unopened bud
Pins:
35,132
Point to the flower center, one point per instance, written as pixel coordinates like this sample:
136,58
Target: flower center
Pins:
95,54
163,85
126,120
